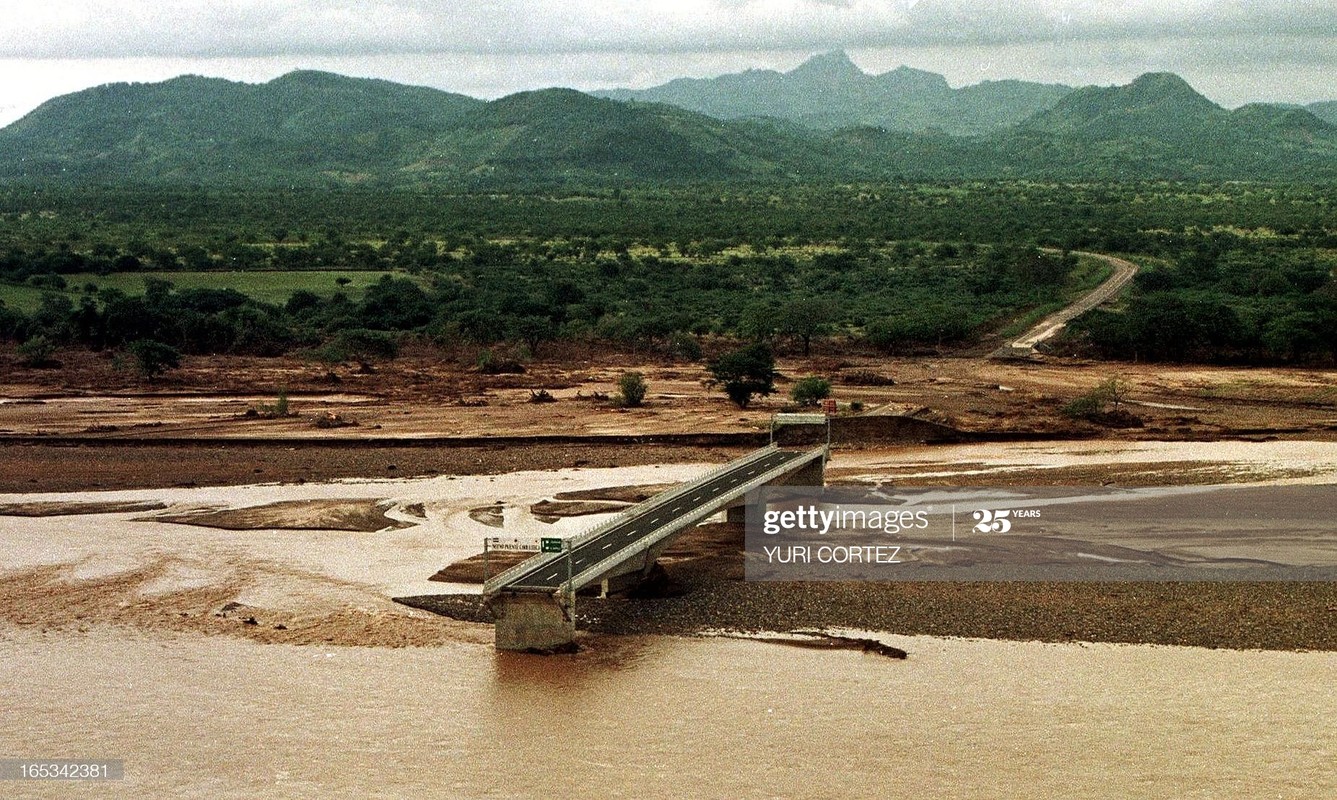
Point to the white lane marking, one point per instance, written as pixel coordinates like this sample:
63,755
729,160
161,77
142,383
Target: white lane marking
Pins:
550,577
605,547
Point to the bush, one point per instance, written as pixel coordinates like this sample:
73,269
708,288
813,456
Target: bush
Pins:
810,390
37,351
47,280
360,345
684,346
1103,405
866,377
491,364
153,358
632,388
279,408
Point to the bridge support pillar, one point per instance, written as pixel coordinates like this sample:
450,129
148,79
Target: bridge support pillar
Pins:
736,514
532,620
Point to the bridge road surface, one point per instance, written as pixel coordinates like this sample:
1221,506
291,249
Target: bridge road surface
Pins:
550,575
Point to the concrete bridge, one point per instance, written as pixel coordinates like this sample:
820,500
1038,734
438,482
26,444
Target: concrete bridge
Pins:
534,602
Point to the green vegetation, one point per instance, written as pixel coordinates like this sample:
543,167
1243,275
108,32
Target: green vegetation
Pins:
267,286
745,373
1241,273
810,391
1228,300
314,130
631,389
152,358
37,351
1106,398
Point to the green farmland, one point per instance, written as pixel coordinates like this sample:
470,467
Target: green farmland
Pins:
266,287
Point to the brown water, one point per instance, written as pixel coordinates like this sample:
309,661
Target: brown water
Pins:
669,717
198,715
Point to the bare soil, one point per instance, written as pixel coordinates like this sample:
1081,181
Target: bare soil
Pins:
366,516
87,426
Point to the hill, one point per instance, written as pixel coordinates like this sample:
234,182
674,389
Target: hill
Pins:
304,124
1324,111
312,128
563,136
1160,127
829,91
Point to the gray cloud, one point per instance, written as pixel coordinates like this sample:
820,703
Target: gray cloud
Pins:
256,28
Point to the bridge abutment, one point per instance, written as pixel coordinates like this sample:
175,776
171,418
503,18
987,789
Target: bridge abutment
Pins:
532,621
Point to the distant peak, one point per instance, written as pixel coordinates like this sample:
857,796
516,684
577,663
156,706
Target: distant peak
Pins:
909,78
1161,80
1160,85
312,77
836,63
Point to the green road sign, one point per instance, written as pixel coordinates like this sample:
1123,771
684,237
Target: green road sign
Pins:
550,544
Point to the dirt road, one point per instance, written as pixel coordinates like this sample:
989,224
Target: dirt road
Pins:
1052,324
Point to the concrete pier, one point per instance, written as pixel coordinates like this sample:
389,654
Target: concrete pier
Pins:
532,621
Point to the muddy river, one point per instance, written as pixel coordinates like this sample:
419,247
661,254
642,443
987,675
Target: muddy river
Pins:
102,658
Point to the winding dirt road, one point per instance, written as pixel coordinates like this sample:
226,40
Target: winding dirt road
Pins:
1024,347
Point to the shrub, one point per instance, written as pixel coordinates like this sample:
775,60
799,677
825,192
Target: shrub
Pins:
1103,405
279,408
866,377
632,388
810,390
37,351
684,346
492,364
153,358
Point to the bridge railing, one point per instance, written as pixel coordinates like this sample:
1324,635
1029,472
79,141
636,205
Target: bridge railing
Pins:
502,579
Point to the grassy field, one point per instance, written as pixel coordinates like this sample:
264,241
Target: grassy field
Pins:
268,287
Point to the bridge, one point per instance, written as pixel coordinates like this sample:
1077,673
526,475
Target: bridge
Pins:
533,602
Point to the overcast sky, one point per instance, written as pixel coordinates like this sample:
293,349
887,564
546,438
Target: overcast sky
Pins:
1234,51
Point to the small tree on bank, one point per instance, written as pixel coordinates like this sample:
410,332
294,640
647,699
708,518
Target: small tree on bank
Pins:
810,390
632,387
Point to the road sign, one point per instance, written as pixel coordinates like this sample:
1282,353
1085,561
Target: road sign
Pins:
550,544
512,543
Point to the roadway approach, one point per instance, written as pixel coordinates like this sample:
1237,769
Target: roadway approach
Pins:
533,603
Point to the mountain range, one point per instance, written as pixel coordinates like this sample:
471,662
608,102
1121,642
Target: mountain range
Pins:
829,91
826,120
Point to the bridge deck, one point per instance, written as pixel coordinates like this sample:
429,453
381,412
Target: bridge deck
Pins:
630,532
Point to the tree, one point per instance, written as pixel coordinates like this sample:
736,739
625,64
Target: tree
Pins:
807,317
632,387
153,358
746,372
809,390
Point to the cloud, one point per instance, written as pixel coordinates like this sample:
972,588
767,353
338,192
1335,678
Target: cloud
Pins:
259,28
